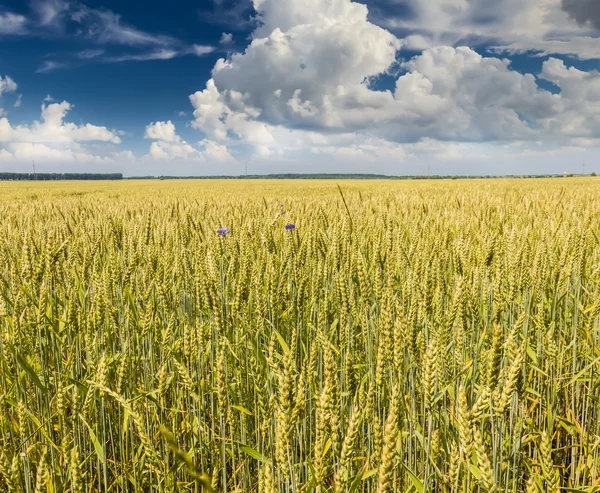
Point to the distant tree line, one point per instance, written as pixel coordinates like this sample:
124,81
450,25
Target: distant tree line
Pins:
340,176
290,176
59,176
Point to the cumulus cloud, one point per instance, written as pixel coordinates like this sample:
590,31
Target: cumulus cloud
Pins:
457,94
27,151
215,152
51,139
217,119
161,131
168,145
307,79
163,150
578,115
312,56
53,128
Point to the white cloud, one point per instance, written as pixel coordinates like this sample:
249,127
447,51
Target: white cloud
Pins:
54,142
369,150
89,54
569,150
215,152
52,129
19,101
510,25
456,94
125,156
163,150
7,85
226,39
160,54
168,145
106,27
201,50
584,47
49,66
575,84
161,131
67,18
49,12
312,58
27,151
306,79
11,23
579,111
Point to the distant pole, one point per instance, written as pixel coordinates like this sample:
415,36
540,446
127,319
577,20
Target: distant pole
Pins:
34,175
583,169
246,169
428,170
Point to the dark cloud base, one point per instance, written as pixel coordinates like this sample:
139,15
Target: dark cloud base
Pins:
585,12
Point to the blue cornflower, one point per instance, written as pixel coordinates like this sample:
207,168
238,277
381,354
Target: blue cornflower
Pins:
289,227
223,231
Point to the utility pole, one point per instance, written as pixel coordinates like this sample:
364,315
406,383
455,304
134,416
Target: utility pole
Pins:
583,169
428,170
34,175
246,169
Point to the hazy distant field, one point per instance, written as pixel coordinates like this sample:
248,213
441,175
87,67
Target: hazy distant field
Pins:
404,336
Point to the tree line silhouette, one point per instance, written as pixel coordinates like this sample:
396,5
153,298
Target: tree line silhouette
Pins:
59,176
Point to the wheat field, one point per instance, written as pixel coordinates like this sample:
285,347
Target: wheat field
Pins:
273,336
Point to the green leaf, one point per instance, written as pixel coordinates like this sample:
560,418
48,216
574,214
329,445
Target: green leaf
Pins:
357,480
368,474
99,448
30,371
284,346
531,354
327,447
576,377
418,484
242,409
183,456
567,425
475,471
255,454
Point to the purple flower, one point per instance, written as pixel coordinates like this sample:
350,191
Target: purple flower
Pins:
289,227
223,231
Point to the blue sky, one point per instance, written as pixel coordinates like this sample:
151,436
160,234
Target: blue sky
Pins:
383,86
